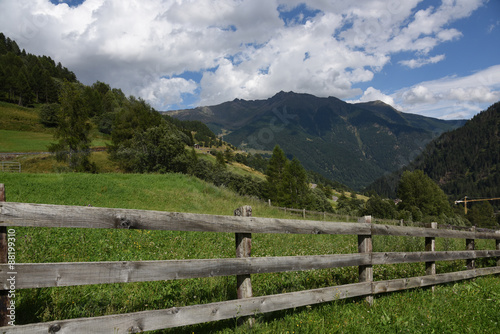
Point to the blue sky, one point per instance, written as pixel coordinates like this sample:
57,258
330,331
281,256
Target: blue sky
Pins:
435,58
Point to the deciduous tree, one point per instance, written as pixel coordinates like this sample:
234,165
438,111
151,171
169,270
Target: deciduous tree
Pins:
73,130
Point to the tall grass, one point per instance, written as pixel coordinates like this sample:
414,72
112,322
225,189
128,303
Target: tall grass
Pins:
416,311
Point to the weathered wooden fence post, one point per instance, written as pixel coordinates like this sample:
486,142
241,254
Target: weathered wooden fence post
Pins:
4,294
244,249
498,248
470,245
365,245
430,246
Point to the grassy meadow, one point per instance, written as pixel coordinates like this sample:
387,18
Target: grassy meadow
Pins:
466,307
24,141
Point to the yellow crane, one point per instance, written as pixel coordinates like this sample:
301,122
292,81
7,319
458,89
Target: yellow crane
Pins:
466,200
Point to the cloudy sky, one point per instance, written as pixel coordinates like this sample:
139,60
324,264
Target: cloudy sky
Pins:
435,58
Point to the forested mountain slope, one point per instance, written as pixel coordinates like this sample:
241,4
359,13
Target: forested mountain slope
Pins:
464,162
350,143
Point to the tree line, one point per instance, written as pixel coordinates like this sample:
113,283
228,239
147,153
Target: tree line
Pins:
26,78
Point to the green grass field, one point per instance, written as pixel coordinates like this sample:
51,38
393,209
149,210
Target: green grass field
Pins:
24,141
467,307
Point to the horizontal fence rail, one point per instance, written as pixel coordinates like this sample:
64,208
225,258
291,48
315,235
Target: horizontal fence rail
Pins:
45,215
43,275
39,275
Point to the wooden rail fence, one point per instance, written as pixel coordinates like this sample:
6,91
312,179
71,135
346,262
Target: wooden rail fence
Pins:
38,275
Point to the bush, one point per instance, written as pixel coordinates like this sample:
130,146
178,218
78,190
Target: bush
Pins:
158,149
49,115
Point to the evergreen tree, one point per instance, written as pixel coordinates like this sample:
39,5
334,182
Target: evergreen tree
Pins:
274,175
22,87
295,186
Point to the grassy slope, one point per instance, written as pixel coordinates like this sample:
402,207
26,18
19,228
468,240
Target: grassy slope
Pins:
21,130
417,311
13,117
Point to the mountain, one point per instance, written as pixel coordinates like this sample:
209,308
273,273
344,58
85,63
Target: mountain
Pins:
351,143
464,162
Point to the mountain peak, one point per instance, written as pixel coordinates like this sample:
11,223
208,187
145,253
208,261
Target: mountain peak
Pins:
282,94
346,142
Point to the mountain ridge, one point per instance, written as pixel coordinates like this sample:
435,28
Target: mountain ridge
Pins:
349,143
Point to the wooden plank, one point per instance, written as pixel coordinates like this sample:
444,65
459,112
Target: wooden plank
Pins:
379,229
39,275
423,281
190,315
365,246
498,248
411,257
470,245
430,246
44,215
244,250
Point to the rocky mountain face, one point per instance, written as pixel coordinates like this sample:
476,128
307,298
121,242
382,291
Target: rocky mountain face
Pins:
350,143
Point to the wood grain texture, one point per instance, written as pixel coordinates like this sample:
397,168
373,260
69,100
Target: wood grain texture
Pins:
44,215
411,257
423,281
38,275
190,315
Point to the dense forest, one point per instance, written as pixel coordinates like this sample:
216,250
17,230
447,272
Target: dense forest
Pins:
26,78
464,162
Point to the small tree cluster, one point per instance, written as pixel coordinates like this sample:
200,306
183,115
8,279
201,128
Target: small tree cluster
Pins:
287,184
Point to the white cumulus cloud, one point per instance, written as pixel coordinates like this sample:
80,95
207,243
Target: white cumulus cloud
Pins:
416,63
245,49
